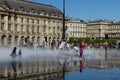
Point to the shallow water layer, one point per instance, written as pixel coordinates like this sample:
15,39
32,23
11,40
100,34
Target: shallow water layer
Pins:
94,74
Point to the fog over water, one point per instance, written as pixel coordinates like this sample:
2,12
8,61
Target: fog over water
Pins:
29,54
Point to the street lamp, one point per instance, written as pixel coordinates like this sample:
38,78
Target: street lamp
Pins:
99,36
63,29
63,37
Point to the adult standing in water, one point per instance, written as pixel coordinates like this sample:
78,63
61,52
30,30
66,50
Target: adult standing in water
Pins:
106,46
13,54
14,63
20,54
82,44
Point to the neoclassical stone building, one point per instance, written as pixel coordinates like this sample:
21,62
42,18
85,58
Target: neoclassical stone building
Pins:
97,28
77,28
114,30
22,21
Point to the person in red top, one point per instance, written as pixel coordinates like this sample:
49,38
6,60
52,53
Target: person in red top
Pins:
83,43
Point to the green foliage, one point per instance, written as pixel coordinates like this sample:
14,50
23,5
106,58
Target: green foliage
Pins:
71,39
90,41
112,41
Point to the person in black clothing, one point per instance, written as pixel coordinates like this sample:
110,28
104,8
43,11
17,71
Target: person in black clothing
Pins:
20,63
14,63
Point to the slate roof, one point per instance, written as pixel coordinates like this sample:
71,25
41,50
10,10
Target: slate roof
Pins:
28,6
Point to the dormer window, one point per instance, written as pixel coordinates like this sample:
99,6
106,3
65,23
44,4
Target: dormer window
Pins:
9,17
43,12
21,9
53,13
32,10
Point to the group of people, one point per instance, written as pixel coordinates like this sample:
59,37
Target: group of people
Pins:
79,49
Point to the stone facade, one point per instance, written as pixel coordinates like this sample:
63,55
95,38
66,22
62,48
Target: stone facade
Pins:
97,28
114,30
77,28
24,20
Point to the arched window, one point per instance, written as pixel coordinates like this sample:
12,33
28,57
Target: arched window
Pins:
3,40
9,27
53,13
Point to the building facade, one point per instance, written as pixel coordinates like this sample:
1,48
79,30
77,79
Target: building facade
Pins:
24,22
97,28
114,30
77,28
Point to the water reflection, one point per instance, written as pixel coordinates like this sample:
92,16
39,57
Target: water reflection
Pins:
94,74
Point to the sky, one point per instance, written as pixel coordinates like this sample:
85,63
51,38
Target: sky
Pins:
87,9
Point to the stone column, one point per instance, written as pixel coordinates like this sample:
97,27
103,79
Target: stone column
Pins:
0,23
13,40
6,23
13,22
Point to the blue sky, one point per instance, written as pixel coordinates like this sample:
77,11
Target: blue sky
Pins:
88,9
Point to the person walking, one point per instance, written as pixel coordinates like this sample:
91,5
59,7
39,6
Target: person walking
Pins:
106,45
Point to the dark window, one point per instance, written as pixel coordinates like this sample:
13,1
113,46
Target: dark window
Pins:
21,28
44,28
9,27
22,20
32,29
9,18
38,21
27,20
32,10
37,29
15,27
9,40
27,29
32,20
21,9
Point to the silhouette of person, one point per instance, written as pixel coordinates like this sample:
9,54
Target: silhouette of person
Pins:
14,63
20,63
13,54
81,66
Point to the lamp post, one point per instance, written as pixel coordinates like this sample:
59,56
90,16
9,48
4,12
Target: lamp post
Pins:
63,29
63,37
99,36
